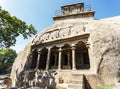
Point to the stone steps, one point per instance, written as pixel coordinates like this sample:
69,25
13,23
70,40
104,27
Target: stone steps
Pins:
75,86
76,81
77,76
73,81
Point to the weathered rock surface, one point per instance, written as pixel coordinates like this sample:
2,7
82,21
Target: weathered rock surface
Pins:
19,63
104,47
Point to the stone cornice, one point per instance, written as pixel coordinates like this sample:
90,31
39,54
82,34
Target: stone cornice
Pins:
76,15
83,36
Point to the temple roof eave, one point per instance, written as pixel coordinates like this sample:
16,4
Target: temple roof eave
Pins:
79,14
64,40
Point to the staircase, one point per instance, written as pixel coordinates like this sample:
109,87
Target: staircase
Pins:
76,81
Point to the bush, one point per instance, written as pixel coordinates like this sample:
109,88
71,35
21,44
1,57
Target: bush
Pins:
105,87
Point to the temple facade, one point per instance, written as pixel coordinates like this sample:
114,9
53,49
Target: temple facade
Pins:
63,48
73,53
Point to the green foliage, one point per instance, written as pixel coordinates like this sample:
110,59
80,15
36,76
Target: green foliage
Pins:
105,87
7,57
11,27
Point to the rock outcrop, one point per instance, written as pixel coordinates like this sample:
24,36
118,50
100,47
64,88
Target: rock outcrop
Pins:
104,47
19,63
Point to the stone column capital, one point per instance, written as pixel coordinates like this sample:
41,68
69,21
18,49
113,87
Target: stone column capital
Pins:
60,49
73,47
33,50
49,48
39,51
87,45
30,53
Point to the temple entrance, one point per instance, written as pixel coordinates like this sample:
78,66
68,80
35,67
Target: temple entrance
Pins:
43,59
54,58
66,57
82,57
69,58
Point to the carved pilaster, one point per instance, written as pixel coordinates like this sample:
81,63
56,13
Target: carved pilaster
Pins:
73,58
87,45
38,58
68,54
29,61
55,59
48,59
60,56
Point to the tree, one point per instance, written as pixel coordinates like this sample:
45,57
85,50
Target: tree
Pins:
11,27
7,57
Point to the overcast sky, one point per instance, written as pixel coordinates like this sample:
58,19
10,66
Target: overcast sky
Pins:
40,12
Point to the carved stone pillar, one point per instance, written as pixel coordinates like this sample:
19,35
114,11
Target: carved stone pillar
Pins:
29,62
38,59
48,59
68,54
60,55
73,58
55,59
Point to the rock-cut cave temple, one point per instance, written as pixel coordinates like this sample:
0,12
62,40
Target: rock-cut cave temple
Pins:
78,51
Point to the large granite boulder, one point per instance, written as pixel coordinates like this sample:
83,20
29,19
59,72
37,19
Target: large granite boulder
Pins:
104,47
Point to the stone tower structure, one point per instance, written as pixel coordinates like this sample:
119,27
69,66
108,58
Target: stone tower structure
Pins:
74,11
